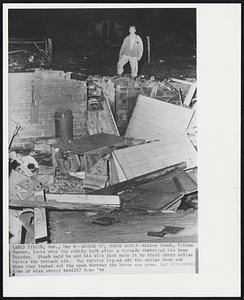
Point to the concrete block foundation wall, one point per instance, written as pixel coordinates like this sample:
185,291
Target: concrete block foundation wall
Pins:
50,90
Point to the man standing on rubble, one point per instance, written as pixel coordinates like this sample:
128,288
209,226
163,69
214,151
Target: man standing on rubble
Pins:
131,50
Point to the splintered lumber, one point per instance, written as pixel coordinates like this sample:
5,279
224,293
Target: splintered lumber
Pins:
84,199
124,185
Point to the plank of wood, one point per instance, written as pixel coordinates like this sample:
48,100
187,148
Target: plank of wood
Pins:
154,91
181,81
85,199
16,51
154,119
56,205
40,221
190,94
121,186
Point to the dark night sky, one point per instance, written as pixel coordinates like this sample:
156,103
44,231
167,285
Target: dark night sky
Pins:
52,22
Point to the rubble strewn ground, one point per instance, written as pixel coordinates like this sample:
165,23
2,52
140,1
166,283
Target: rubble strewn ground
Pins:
132,222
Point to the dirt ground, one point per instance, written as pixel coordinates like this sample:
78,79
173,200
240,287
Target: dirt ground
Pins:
166,66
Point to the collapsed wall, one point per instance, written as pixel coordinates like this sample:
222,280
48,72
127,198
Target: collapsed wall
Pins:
35,97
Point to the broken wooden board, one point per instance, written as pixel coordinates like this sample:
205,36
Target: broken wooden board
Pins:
135,181
153,119
142,159
85,199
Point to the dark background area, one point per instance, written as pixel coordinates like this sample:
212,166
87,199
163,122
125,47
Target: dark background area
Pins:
56,23
172,33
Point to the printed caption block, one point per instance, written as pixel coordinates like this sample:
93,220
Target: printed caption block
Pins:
68,259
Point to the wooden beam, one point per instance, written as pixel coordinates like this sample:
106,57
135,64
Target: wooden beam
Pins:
181,81
56,205
40,222
16,41
124,185
16,51
84,199
190,94
40,225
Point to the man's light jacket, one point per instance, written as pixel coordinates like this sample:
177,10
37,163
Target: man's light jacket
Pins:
135,51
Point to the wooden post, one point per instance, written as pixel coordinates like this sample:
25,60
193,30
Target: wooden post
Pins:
148,50
50,50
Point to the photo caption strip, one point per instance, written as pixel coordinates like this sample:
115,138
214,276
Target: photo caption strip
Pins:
67,259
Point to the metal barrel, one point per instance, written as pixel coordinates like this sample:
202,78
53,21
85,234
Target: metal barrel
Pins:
64,124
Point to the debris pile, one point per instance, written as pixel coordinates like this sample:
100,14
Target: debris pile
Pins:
139,158
26,55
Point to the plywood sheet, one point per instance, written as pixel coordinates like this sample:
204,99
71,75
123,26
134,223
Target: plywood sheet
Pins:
142,159
154,119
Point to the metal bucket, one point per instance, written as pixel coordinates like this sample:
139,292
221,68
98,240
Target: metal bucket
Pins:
64,124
